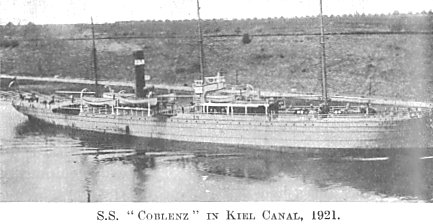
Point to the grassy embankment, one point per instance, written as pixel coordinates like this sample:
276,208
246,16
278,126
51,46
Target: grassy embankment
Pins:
396,65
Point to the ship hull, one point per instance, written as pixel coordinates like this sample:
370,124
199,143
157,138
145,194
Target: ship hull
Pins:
274,131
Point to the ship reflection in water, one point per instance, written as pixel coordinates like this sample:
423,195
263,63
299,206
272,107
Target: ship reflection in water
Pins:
39,163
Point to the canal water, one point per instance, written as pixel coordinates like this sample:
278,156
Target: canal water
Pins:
51,164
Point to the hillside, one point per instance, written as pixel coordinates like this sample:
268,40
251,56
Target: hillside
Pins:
392,58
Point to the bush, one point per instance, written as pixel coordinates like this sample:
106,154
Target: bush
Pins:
9,43
246,38
396,27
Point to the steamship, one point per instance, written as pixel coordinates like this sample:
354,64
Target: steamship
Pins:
236,115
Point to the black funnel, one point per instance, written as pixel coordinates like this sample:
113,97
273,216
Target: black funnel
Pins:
140,83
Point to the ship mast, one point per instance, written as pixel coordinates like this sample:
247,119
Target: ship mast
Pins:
95,61
323,59
202,62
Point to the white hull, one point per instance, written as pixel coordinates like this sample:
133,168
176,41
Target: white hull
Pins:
298,131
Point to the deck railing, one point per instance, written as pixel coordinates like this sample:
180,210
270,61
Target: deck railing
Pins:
119,111
136,111
317,115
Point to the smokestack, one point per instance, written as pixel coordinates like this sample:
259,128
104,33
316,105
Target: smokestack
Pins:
140,83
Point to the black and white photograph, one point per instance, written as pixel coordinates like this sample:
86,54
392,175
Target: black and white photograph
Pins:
216,101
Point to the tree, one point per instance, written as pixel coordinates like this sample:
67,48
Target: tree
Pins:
10,25
32,31
9,29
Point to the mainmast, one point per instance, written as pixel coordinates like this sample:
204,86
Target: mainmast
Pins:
95,61
202,62
322,42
